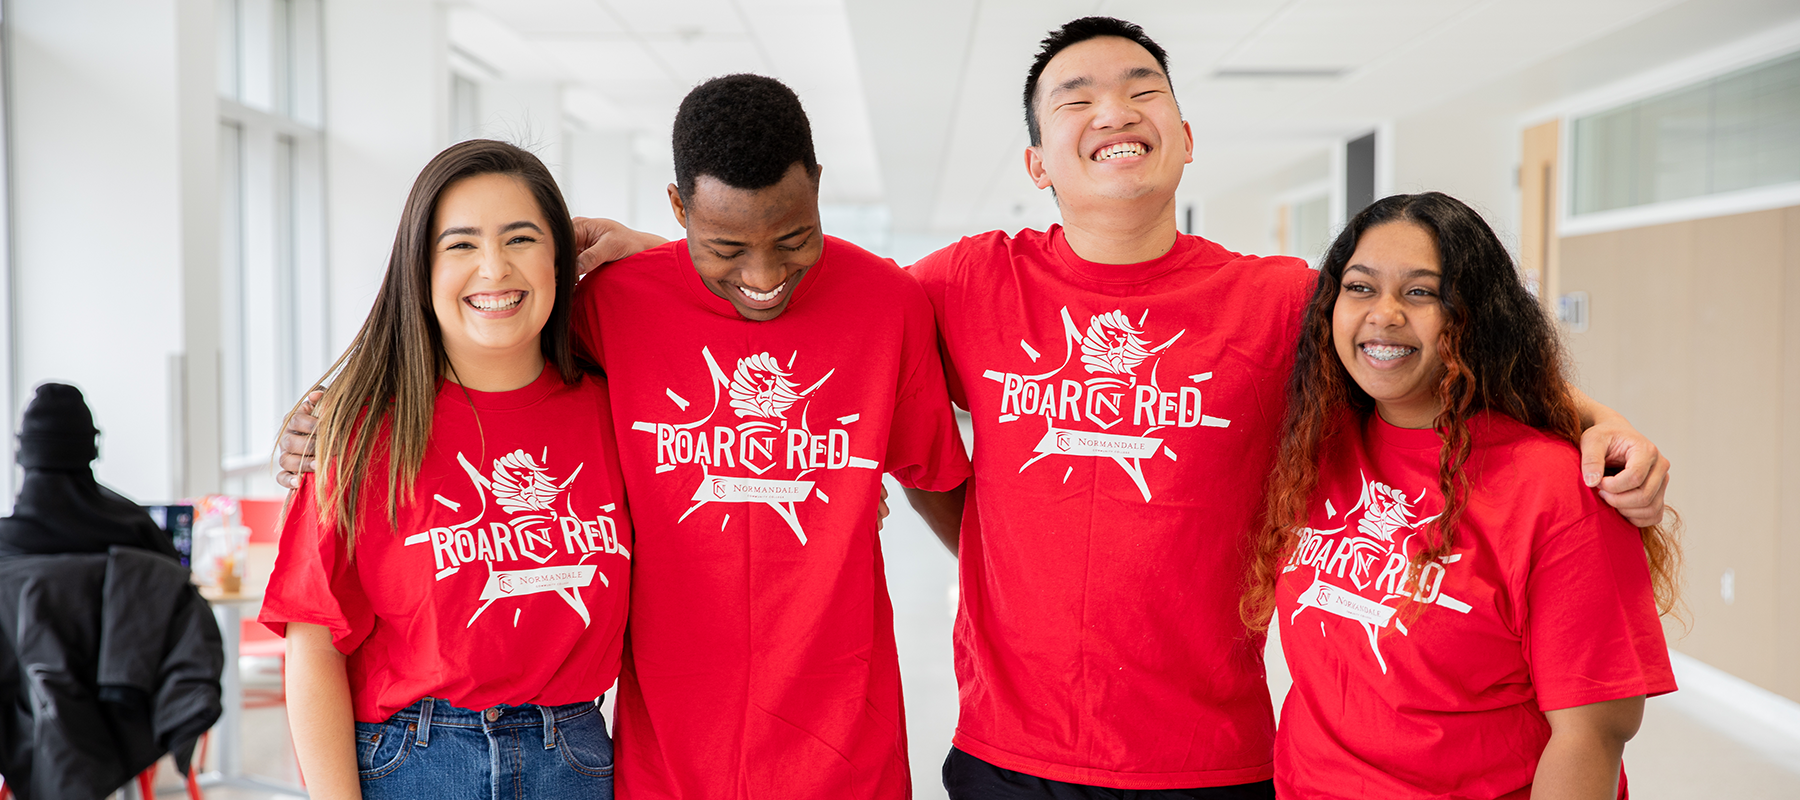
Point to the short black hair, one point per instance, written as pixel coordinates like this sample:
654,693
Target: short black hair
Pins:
1076,32
745,130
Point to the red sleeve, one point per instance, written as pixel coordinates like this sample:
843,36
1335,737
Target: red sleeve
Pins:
584,319
313,580
936,272
1591,630
925,448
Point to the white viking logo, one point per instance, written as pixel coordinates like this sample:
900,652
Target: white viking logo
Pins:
1387,511
521,485
1112,345
760,388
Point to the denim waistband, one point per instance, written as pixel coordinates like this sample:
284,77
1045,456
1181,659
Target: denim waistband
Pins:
433,712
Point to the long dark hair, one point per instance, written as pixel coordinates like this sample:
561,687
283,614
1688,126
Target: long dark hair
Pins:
393,366
1500,353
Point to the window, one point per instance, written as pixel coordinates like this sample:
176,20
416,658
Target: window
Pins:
272,288
1735,132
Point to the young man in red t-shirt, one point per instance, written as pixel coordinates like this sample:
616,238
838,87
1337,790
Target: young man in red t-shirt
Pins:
1125,386
763,377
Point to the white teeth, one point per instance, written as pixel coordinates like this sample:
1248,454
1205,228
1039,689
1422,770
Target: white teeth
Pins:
497,302
1121,150
763,297
1388,352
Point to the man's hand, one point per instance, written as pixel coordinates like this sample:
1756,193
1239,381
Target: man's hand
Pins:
1641,472
881,509
297,443
598,241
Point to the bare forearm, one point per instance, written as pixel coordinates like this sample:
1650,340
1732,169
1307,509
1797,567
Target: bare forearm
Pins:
1592,412
942,512
1578,768
319,714
1581,762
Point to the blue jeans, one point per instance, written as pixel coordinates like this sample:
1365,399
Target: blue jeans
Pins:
432,750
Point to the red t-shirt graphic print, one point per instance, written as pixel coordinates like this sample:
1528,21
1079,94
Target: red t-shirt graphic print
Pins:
507,577
1110,395
761,424
1433,682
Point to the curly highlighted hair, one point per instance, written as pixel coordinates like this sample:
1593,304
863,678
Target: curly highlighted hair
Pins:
1500,353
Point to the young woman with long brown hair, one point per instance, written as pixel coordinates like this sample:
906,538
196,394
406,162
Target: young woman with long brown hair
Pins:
453,581
1460,616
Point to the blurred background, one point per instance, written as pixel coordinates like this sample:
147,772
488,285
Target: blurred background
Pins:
200,198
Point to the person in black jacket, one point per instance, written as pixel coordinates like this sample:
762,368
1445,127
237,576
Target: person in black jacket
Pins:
108,656
61,508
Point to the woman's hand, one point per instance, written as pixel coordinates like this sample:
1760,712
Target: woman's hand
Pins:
319,714
1581,762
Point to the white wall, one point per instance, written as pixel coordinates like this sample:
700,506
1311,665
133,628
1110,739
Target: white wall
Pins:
115,227
386,114
1242,218
1468,149
598,172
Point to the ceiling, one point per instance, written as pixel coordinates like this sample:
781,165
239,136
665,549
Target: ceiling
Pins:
915,106
626,65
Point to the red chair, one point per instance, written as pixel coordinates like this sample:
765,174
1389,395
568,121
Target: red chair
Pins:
146,780
263,518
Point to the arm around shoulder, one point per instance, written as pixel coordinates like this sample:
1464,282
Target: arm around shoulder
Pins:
1641,472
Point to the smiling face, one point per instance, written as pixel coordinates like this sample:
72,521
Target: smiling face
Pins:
1388,320
493,276
752,246
1109,125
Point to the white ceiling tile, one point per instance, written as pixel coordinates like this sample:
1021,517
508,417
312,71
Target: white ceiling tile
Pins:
607,61
552,16
916,104
695,61
688,18
1341,33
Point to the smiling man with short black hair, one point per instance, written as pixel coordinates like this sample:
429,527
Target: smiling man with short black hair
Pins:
764,376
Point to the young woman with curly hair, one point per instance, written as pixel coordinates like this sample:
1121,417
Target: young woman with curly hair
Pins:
1461,617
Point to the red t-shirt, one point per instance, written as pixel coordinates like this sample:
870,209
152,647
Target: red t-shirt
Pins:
760,660
1543,603
507,577
1125,417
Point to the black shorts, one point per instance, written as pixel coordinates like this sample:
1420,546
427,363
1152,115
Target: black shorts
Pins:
969,778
